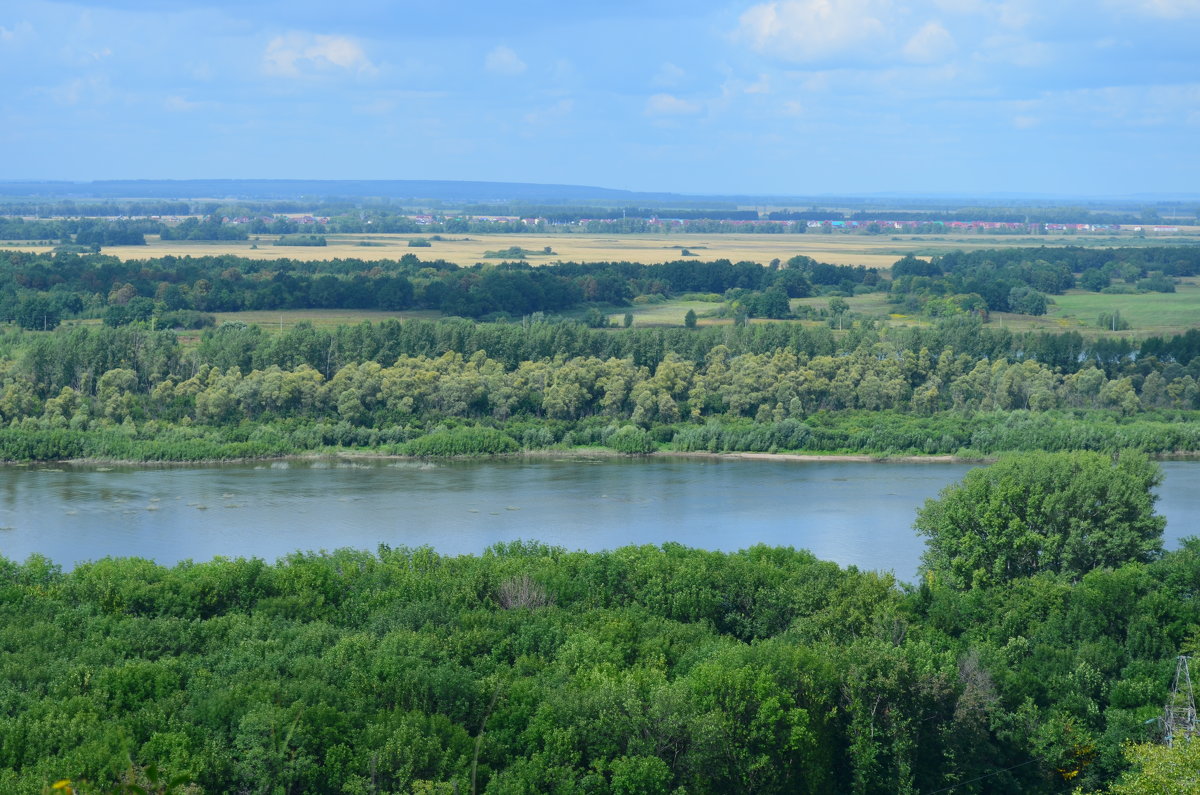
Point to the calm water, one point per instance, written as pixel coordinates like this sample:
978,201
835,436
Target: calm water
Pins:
851,513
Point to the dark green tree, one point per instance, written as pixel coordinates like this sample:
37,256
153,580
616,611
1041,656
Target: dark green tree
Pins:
1038,512
1026,301
37,312
689,319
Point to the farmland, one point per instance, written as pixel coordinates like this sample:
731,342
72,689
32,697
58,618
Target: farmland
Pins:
1077,310
875,251
1147,313
321,318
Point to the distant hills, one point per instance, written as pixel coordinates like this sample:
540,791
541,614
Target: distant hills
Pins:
450,192
265,189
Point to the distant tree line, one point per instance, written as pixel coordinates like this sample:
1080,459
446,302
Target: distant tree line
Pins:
1020,279
1010,215
129,392
82,231
71,283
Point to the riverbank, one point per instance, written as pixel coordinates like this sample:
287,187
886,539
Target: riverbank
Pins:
552,453
578,452
820,437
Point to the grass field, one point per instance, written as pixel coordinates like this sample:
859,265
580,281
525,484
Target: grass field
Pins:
669,313
1147,313
841,249
324,318
1078,310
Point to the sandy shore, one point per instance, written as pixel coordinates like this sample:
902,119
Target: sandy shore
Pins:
577,452
907,459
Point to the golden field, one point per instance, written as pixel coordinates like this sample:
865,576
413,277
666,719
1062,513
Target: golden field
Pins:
841,249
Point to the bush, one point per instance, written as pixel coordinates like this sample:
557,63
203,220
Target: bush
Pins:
300,240
186,319
632,440
522,592
462,441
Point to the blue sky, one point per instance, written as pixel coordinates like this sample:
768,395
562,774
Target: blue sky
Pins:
967,97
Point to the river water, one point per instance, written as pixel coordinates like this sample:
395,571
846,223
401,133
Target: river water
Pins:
853,513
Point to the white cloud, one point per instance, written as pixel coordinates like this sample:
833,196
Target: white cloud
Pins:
378,107
1169,9
504,61
93,90
1014,50
392,101
760,86
931,44
1013,14
962,6
668,76
297,53
202,71
812,30
557,111
77,55
563,71
671,105
1111,107
12,35
179,104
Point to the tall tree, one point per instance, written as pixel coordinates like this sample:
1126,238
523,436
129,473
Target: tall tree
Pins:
1036,512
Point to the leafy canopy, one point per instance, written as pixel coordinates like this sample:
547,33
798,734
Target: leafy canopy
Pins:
1028,513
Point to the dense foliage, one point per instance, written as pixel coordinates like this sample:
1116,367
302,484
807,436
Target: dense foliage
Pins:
128,392
1017,280
1020,279
531,669
76,282
1066,513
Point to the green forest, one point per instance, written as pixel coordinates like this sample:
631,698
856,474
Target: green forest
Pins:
453,387
1034,656
39,290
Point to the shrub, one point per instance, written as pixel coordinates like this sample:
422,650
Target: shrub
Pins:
462,441
522,592
632,440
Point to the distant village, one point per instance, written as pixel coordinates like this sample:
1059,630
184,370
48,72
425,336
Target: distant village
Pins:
665,223
651,224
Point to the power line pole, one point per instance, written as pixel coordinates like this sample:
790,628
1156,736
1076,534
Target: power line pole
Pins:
1179,716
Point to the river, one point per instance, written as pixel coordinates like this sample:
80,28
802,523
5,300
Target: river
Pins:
853,513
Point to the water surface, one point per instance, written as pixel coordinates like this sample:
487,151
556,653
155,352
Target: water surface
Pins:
853,513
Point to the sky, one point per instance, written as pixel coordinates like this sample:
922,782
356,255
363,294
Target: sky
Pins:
788,97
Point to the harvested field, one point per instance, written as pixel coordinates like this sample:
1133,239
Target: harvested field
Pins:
842,249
